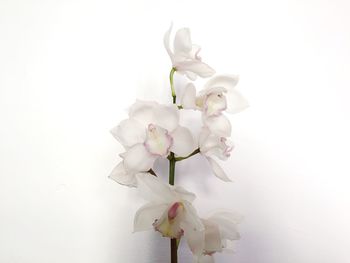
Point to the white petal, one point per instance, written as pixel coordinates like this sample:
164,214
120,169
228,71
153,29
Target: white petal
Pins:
227,224
153,189
218,171
158,141
196,66
129,132
212,237
218,125
205,259
203,135
143,111
146,215
166,41
192,217
194,239
183,194
182,41
193,230
226,81
189,97
138,159
183,141
190,75
122,177
166,117
235,102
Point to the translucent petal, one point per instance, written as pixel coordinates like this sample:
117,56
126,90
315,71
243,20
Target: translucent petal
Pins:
122,177
146,216
224,81
166,41
182,41
235,102
138,159
183,141
218,125
143,112
166,117
227,224
129,132
184,194
153,189
212,237
218,171
192,217
196,66
188,100
205,259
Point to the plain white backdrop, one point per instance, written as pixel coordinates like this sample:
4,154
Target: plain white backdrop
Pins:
70,69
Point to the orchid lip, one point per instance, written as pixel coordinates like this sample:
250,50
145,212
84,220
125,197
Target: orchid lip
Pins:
158,141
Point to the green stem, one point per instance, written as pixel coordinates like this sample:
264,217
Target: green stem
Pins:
172,162
173,241
188,156
171,77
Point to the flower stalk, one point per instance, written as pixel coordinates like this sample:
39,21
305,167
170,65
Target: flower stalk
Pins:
171,77
172,162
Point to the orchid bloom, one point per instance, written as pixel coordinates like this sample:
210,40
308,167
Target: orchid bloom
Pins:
169,212
219,230
218,95
152,131
185,56
213,146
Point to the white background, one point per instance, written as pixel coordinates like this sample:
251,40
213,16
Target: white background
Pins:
70,69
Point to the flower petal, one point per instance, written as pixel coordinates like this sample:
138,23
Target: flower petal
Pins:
182,41
146,215
120,175
129,132
235,101
158,141
166,41
138,159
183,194
143,111
201,69
166,117
225,81
193,229
212,237
205,259
153,189
218,125
183,141
189,97
227,223
218,171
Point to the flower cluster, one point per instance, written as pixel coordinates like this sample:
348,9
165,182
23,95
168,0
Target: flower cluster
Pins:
152,131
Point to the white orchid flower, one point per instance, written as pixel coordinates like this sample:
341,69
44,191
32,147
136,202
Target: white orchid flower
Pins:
152,131
185,56
213,147
169,212
219,230
218,95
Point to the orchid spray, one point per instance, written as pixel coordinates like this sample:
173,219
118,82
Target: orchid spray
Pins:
153,131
